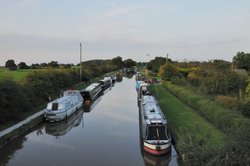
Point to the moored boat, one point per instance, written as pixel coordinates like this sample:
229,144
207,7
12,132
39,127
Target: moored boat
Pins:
154,130
105,83
63,107
92,92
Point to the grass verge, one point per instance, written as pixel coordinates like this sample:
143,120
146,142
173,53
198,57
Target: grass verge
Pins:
198,141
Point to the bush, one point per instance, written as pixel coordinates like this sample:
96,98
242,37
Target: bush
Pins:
230,122
232,103
245,109
226,120
14,101
48,83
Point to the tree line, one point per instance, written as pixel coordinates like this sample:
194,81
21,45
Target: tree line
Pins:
21,98
226,82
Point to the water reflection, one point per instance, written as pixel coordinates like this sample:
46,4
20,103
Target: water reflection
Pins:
63,127
8,152
170,159
151,160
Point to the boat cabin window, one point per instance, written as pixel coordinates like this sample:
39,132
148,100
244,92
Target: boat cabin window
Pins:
54,106
156,133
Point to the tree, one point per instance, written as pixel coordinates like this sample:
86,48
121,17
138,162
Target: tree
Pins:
10,64
129,63
35,66
242,60
53,64
168,72
22,65
157,63
117,61
67,66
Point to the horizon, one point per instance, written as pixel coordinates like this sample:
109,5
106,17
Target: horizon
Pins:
38,31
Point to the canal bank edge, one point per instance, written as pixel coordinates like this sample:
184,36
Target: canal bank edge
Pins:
20,128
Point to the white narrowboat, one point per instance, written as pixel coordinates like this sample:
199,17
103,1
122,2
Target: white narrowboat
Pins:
154,131
63,107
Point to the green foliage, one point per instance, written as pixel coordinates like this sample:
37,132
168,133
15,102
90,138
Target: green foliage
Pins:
129,63
245,108
48,83
226,120
53,64
10,64
167,72
213,80
117,62
229,102
13,99
248,90
155,64
22,65
198,141
17,75
242,60
230,122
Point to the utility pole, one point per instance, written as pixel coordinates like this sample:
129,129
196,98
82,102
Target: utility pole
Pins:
167,60
80,62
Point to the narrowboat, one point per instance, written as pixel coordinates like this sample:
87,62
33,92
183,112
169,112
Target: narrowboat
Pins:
63,107
105,83
90,93
154,131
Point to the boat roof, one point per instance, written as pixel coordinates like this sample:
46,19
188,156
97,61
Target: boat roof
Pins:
61,99
92,86
152,111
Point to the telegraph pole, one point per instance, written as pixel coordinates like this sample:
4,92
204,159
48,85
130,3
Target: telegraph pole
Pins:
167,59
80,62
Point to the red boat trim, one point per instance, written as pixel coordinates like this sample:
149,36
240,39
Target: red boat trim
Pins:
155,152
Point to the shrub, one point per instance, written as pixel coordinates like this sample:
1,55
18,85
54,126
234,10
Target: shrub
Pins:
14,101
226,120
230,122
232,103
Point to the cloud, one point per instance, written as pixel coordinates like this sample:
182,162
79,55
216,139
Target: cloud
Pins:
121,11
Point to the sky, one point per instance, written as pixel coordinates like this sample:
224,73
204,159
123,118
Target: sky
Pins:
36,31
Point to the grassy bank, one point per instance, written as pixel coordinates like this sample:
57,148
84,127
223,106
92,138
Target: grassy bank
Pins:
224,119
231,123
197,139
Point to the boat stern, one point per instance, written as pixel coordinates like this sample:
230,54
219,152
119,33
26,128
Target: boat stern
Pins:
157,148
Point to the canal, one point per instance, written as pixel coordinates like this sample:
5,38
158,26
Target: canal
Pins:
106,133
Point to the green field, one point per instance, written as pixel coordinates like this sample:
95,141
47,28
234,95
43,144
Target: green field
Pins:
17,75
195,136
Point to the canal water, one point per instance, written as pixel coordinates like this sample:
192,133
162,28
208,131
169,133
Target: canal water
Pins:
106,133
